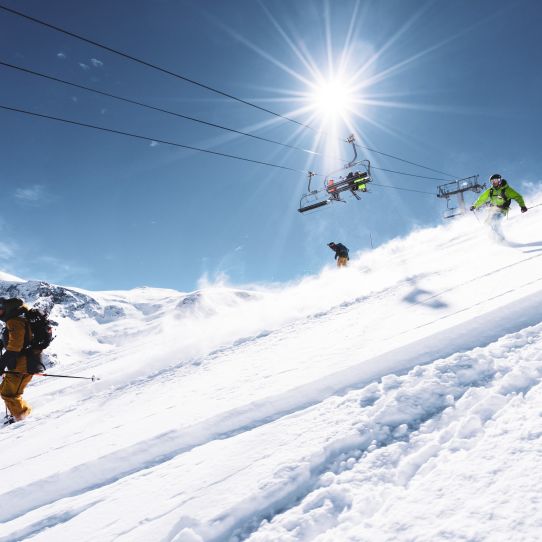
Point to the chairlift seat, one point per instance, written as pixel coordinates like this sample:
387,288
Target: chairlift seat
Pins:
453,212
313,206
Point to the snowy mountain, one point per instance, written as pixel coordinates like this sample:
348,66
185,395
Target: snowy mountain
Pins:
398,399
9,277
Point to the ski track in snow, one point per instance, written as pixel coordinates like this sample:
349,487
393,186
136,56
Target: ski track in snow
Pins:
391,413
406,453
307,446
328,503
166,446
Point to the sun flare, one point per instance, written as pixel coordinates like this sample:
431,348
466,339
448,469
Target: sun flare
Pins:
332,99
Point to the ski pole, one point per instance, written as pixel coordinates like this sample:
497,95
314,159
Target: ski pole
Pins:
93,378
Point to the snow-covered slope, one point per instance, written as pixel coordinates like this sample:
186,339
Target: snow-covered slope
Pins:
397,399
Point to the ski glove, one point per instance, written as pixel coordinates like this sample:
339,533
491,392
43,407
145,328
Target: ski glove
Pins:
524,209
472,207
9,360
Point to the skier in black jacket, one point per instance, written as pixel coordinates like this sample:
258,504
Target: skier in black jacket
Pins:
341,253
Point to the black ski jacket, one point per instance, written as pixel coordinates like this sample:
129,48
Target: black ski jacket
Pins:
340,251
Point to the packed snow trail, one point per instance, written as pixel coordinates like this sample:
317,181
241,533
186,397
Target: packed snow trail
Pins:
163,447
212,421
467,473
384,437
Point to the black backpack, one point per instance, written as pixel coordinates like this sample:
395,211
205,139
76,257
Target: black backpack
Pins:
42,335
42,331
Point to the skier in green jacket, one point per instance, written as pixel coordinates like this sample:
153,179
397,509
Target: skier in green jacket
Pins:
499,196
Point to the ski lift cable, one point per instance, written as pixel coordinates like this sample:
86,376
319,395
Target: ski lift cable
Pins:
409,174
408,162
188,147
152,139
169,112
401,188
150,65
202,85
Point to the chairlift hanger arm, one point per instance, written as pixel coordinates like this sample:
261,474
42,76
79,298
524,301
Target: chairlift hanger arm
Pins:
352,140
310,175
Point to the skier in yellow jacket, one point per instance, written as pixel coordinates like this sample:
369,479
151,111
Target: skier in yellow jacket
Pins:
15,336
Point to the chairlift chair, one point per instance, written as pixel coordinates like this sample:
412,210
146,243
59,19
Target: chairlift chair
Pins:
355,181
458,188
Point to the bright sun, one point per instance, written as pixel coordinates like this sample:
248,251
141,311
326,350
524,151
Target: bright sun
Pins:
332,99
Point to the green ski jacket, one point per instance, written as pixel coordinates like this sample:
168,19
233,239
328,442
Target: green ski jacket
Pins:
499,197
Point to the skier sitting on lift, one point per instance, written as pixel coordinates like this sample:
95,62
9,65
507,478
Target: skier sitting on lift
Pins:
332,190
499,196
359,181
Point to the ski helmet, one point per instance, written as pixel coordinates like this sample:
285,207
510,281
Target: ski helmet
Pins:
496,179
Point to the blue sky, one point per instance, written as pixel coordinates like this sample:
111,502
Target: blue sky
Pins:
451,85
